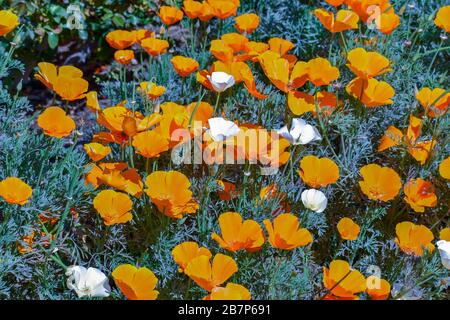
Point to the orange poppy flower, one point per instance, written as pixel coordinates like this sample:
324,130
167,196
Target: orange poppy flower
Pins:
247,23
96,151
150,144
48,73
92,101
380,291
444,234
369,8
228,191
136,284
342,281
55,122
114,207
120,39
420,194
192,9
170,193
154,47
8,22
344,20
206,13
371,92
318,172
413,239
186,251
348,229
280,46
170,15
321,72
211,275
444,168
141,34
392,137
71,89
442,19
335,3
203,112
301,102
238,234
231,291
379,183
223,9
365,64
124,57
15,191
435,102
285,232
184,66
152,90
388,22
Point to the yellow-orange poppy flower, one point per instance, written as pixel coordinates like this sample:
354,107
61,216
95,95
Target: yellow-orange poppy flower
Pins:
154,47
14,191
280,46
71,89
342,281
285,232
223,9
192,9
48,73
136,284
186,251
211,275
379,183
238,234
152,90
231,291
444,234
413,239
55,122
377,288
8,22
388,22
344,20
367,64
150,144
184,66
170,15
444,168
114,207
434,101
318,172
371,92
369,8
124,57
442,19
96,151
348,229
121,39
141,34
392,137
247,22
321,72
420,194
170,193
301,102
92,101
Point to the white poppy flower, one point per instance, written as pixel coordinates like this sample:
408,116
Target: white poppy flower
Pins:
444,251
221,81
314,200
221,129
89,282
301,132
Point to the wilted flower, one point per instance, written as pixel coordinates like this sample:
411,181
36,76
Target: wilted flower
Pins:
221,129
8,22
300,133
14,191
318,172
413,239
186,251
221,81
285,232
238,234
170,15
379,183
247,23
89,282
55,122
136,284
444,250
114,207
211,275
314,200
342,281
348,229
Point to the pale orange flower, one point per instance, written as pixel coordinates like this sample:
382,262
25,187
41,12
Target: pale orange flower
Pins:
170,15
184,66
318,172
348,229
379,183
14,191
186,251
285,232
342,281
114,207
136,283
420,194
413,239
55,122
